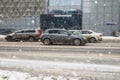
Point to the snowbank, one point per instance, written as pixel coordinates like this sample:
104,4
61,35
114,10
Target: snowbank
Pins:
2,36
111,38
13,75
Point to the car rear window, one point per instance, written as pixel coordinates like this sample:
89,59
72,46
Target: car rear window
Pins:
86,32
29,31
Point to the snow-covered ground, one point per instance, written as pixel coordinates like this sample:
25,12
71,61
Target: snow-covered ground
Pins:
38,65
111,38
13,75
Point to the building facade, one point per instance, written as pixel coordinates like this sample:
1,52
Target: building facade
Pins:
20,14
20,8
98,15
101,15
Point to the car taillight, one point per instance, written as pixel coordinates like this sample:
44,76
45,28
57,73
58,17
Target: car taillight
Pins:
100,35
38,32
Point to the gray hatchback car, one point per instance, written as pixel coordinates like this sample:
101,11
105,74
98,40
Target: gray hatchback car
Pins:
51,36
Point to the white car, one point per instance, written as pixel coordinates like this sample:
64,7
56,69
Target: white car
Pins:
89,34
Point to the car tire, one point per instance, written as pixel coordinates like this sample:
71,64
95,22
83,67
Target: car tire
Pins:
77,42
92,40
31,39
8,38
46,41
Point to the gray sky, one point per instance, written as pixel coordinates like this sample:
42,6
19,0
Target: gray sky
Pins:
64,2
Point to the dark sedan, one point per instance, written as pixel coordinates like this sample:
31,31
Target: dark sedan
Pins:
51,36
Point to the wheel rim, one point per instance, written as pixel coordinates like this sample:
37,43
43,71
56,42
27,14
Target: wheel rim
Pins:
46,41
31,39
92,40
77,42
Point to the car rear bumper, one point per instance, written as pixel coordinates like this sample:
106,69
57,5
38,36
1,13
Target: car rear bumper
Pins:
100,39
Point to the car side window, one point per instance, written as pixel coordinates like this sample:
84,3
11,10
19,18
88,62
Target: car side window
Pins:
86,32
90,32
77,32
19,32
63,32
54,32
29,31
51,32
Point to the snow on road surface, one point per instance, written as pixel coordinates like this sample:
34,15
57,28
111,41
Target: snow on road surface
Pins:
37,65
13,75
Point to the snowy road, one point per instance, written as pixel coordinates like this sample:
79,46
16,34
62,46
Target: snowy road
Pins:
94,59
38,65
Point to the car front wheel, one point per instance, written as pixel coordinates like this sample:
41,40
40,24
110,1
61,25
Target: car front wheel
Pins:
9,38
77,42
92,40
46,41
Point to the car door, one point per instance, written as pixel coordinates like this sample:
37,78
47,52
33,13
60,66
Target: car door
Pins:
65,37
28,33
54,36
18,35
86,34
23,35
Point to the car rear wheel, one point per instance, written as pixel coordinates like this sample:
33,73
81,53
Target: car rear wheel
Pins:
31,39
77,42
92,40
46,41
9,38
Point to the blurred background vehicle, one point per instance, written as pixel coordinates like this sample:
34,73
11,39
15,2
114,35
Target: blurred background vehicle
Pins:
24,35
74,12
89,34
6,31
116,33
51,36
57,12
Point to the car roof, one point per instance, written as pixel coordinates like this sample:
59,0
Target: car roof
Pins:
24,30
82,30
55,29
